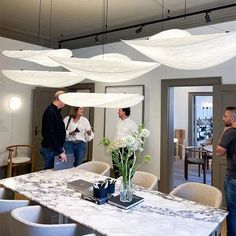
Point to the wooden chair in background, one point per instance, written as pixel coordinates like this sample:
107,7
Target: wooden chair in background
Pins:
18,156
195,156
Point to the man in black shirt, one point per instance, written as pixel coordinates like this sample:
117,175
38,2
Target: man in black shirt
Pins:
53,132
227,145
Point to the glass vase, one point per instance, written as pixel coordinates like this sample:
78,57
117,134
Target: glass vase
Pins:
126,191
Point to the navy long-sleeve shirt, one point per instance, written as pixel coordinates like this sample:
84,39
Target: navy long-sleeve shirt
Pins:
53,129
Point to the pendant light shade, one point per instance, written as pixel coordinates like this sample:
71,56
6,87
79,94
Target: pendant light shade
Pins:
41,57
50,79
107,67
106,100
181,50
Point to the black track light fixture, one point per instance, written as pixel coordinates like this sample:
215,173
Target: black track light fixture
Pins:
207,17
96,39
139,30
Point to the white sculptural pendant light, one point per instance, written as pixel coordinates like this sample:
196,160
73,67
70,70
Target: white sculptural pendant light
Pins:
107,67
105,100
41,57
53,79
181,50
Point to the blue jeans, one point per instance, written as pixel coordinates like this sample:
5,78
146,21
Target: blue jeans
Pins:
78,149
230,197
49,156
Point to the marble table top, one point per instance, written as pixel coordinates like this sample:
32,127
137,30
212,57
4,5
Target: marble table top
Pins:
159,214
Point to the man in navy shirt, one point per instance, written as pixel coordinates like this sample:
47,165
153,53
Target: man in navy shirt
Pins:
53,132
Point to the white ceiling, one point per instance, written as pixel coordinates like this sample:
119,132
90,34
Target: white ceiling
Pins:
64,19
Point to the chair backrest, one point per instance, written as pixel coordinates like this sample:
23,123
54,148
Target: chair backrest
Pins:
145,179
6,194
32,221
194,151
98,167
198,192
20,154
7,204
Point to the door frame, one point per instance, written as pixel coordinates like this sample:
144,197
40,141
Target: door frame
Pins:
167,123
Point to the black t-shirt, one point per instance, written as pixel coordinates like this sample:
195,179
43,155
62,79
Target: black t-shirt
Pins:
228,141
53,129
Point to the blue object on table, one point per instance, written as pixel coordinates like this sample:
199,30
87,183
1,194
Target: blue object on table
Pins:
111,188
100,192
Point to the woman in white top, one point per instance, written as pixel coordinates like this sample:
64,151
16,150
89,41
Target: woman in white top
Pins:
78,133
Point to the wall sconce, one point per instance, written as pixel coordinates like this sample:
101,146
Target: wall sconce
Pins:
15,103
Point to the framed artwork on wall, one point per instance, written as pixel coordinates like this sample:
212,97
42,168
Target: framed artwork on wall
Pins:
111,114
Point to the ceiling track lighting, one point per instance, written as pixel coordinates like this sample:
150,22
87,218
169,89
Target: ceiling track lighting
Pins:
207,17
139,30
96,39
168,18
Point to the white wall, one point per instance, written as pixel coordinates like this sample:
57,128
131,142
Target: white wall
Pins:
22,120
151,80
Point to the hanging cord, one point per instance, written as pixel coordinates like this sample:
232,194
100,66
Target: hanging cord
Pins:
104,25
50,26
162,14
39,21
160,4
185,8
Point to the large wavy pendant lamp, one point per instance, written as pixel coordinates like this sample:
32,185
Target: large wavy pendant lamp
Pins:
181,50
106,67
41,57
105,100
53,79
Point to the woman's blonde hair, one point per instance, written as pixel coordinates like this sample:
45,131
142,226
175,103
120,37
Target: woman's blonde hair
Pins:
73,111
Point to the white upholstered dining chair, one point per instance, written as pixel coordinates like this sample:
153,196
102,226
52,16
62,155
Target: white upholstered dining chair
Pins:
144,179
98,167
34,221
201,193
197,192
7,204
6,194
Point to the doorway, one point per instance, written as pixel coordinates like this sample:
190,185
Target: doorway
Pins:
190,103
167,121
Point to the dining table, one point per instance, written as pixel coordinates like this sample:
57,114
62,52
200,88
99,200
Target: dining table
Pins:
208,148
159,213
